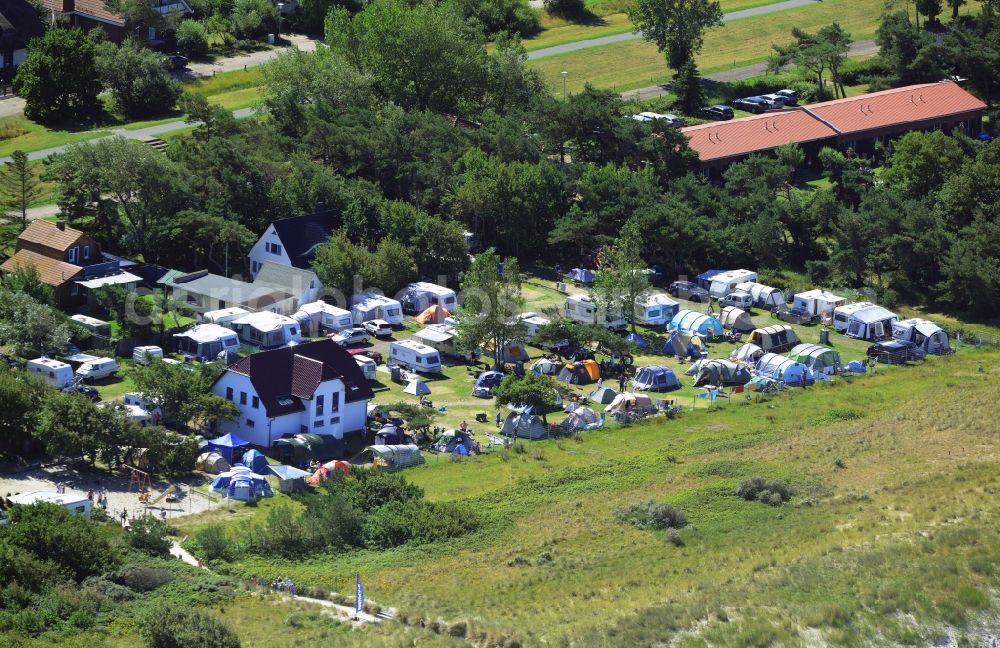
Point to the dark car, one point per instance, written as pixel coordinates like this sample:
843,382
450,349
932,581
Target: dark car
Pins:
13,363
688,290
718,111
755,105
792,315
174,62
895,352
368,353
83,390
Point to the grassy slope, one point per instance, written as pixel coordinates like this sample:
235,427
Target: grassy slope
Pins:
906,528
635,64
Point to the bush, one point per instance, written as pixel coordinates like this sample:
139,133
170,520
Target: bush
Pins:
149,534
192,39
369,489
674,538
565,8
653,515
388,526
214,543
137,80
142,579
763,490
178,627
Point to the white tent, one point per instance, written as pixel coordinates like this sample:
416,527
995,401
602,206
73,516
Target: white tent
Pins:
749,353
545,367
925,334
629,401
582,418
417,387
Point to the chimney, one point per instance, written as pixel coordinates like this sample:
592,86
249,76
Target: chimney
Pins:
61,225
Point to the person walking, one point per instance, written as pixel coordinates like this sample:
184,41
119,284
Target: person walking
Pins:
622,381
498,419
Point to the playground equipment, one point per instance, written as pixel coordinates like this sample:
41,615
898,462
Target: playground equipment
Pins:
138,478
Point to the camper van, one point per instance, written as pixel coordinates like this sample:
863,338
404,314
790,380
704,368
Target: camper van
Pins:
92,324
371,306
98,369
532,322
726,282
368,366
145,354
655,309
817,303
75,504
413,355
223,316
419,296
58,374
864,320
583,310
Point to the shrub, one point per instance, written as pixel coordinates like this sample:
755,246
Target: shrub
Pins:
763,490
565,8
674,538
370,489
214,543
142,579
139,84
192,39
388,527
653,515
149,534
178,627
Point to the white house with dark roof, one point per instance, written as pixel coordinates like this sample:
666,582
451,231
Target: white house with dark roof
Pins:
315,387
302,284
292,241
203,292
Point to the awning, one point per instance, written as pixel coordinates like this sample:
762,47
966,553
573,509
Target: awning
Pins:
112,280
432,335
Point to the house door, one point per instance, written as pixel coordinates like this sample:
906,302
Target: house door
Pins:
222,304
878,329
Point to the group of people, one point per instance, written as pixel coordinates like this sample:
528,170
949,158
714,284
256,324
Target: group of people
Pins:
278,584
99,498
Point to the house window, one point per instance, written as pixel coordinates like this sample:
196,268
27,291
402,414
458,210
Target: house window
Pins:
319,405
273,248
243,398
73,253
318,423
334,402
250,423
335,420
229,393
256,402
86,252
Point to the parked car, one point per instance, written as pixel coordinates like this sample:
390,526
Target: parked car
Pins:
755,105
739,299
83,390
174,62
378,328
669,120
368,353
13,363
350,337
721,112
792,315
896,352
791,96
775,101
688,290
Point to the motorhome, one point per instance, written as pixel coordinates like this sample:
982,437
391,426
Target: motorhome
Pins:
864,320
726,282
56,373
223,316
140,410
76,504
655,309
368,366
268,330
92,324
583,310
442,337
414,355
369,306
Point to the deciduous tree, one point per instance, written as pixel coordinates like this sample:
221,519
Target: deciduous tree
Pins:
492,303
59,80
676,27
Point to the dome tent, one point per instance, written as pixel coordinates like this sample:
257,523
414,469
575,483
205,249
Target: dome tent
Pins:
655,378
582,275
626,401
545,367
255,461
389,435
241,484
817,358
778,367
417,387
736,319
721,372
582,418
748,353
688,321
636,339
682,345
583,372
485,382
451,439
604,395
524,425
212,463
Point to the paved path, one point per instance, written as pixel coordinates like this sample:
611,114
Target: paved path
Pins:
858,49
253,59
618,38
177,551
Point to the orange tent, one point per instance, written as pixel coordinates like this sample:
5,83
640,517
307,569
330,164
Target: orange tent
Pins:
433,315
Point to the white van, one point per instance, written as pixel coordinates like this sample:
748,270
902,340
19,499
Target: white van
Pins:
368,366
582,310
58,374
145,354
413,355
739,299
97,369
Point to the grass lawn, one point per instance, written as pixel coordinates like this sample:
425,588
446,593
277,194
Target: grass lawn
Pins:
635,64
24,134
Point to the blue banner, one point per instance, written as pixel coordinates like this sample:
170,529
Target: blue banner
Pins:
359,594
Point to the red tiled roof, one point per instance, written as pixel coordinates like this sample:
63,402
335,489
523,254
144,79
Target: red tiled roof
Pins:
48,234
720,140
93,8
916,103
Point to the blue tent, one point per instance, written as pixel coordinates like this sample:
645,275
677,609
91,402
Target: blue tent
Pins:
688,321
582,275
485,383
656,378
779,367
705,278
637,340
224,445
242,484
255,461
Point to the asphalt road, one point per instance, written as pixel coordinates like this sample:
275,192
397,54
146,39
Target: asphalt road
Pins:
618,38
858,49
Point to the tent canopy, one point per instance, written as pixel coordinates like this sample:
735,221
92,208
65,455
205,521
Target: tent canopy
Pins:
688,321
284,472
417,387
604,395
778,337
255,461
433,315
225,444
